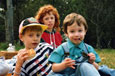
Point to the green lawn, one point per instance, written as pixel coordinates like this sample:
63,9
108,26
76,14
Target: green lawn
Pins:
107,57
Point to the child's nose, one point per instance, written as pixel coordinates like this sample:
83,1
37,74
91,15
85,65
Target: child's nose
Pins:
50,20
76,34
35,38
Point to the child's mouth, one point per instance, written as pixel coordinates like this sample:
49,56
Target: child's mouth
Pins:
79,39
34,44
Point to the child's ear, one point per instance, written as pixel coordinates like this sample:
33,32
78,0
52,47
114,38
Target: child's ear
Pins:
21,37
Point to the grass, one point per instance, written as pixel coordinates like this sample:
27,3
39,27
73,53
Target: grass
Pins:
107,57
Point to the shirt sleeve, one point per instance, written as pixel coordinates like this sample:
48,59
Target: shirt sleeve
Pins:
57,55
91,49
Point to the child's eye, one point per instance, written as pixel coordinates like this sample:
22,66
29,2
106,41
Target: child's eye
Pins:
46,18
80,30
30,35
52,17
38,35
72,31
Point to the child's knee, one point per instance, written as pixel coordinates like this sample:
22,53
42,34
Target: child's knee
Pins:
87,69
85,66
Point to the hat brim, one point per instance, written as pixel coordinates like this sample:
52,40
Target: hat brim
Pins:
44,27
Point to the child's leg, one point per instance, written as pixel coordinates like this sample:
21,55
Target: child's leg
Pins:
105,70
54,74
58,74
87,69
112,72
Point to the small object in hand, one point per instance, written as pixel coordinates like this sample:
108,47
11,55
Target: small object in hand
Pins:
84,54
31,53
83,58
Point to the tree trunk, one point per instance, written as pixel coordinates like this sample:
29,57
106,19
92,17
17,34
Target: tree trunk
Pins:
98,45
9,22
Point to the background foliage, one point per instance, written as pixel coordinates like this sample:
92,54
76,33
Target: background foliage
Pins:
100,16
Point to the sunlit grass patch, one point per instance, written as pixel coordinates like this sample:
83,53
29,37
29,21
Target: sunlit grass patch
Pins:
107,57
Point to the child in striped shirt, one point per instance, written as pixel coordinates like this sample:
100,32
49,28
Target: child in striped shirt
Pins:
30,32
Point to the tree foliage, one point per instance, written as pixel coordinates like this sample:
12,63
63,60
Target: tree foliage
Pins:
100,16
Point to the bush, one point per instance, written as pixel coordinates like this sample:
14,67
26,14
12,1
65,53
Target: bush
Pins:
4,46
18,45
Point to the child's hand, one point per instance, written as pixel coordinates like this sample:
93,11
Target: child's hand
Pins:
69,63
91,57
21,57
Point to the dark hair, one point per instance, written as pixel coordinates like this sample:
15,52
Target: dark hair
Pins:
71,18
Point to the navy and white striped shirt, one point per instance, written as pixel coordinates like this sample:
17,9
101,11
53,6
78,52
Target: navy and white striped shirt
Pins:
39,65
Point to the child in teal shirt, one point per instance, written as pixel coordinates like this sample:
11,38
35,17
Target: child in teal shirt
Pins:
75,28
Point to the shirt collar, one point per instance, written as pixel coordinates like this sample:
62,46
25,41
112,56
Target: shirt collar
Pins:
50,32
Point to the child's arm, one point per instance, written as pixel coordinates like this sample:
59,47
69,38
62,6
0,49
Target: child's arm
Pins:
92,60
57,67
21,57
